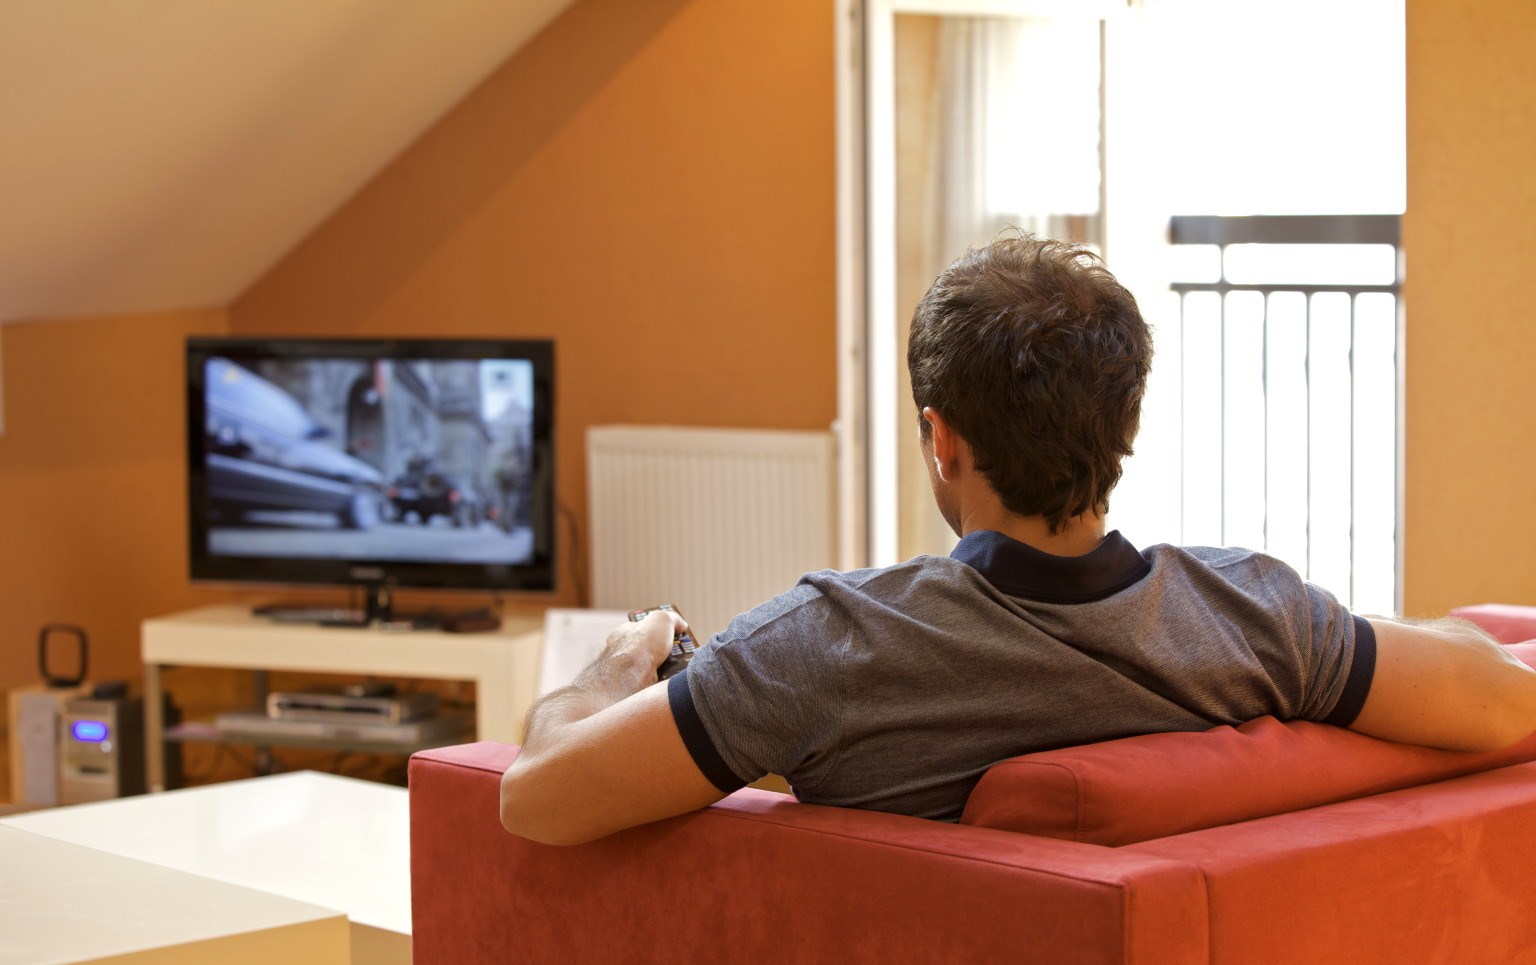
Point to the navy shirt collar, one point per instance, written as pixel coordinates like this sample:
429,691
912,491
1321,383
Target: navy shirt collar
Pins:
1020,570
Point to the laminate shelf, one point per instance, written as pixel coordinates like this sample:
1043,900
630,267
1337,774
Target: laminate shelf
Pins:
503,664
205,732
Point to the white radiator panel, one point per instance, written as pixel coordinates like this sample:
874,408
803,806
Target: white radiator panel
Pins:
713,521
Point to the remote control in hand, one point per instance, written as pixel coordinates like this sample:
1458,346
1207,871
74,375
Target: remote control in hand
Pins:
683,645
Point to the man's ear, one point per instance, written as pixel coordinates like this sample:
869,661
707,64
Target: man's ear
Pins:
944,443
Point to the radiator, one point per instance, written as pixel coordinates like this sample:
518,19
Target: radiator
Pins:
713,521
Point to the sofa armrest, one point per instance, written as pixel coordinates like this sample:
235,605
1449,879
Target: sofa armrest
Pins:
1506,622
760,877
1438,873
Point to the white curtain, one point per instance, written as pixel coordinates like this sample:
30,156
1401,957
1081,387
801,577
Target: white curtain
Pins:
1007,136
1018,144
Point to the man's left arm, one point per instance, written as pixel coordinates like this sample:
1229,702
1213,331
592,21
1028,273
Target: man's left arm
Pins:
605,753
1446,684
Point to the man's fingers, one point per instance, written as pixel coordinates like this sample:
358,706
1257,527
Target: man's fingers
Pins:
679,625
653,633
656,616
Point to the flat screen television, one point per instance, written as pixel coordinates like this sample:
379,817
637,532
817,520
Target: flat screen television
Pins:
372,463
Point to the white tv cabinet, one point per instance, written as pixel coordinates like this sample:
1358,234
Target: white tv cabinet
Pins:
503,663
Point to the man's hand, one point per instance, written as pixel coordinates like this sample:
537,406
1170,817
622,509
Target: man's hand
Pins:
1446,684
649,639
604,753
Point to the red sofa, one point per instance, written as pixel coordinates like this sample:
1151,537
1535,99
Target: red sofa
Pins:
1267,843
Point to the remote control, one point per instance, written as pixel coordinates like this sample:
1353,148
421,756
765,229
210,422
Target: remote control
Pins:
683,645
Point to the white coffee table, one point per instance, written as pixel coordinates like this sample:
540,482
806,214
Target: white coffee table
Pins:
330,841
63,903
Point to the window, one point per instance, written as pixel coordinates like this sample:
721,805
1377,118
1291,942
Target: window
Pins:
1111,125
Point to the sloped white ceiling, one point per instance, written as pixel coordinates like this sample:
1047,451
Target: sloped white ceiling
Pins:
162,154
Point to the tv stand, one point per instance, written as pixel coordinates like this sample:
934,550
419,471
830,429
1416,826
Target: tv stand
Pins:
331,616
380,603
503,663
378,606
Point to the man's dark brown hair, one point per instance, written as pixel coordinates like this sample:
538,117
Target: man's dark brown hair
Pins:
1038,358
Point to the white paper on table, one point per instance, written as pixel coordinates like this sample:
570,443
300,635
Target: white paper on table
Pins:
573,639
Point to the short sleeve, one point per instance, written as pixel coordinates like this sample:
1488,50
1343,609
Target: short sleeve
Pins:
1317,658
1357,682
762,696
1339,659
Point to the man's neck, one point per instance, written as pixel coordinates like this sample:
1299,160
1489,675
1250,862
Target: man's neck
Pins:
969,503
1077,536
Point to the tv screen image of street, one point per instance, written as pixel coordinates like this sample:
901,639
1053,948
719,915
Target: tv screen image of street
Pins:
422,460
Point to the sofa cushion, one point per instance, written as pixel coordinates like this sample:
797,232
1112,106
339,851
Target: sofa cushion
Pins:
1154,785
1510,624
758,877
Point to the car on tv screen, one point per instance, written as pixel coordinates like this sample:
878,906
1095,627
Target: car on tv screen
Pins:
266,454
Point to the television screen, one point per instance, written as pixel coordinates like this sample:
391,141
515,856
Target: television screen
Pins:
409,462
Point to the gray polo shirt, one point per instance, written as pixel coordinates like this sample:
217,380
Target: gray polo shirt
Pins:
895,689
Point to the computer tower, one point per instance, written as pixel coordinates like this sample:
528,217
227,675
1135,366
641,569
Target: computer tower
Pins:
101,749
35,711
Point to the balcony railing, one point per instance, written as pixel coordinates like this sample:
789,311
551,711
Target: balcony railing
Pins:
1287,353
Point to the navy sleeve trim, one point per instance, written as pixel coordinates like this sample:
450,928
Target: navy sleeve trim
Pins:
696,738
1361,672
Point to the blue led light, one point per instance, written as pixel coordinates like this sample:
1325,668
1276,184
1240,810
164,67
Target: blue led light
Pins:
89,730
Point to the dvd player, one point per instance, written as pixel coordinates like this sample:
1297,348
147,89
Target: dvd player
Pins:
253,725
339,707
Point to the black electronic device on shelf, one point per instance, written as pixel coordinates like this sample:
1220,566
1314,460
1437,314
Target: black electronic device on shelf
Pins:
372,463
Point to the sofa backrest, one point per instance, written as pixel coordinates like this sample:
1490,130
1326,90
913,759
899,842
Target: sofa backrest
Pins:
1155,785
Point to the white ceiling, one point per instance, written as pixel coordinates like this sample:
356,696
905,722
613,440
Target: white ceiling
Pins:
163,154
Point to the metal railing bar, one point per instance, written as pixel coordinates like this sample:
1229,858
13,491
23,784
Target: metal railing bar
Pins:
1352,303
1183,430
1314,229
1223,287
1264,408
1221,347
1306,369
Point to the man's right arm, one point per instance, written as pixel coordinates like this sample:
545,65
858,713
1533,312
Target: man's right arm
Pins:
1446,684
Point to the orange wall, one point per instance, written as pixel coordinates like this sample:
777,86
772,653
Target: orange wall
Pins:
92,484
1470,245
650,184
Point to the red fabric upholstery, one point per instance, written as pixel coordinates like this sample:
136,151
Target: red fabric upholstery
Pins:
1140,788
760,878
1439,872
1509,624
1436,874
1151,786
